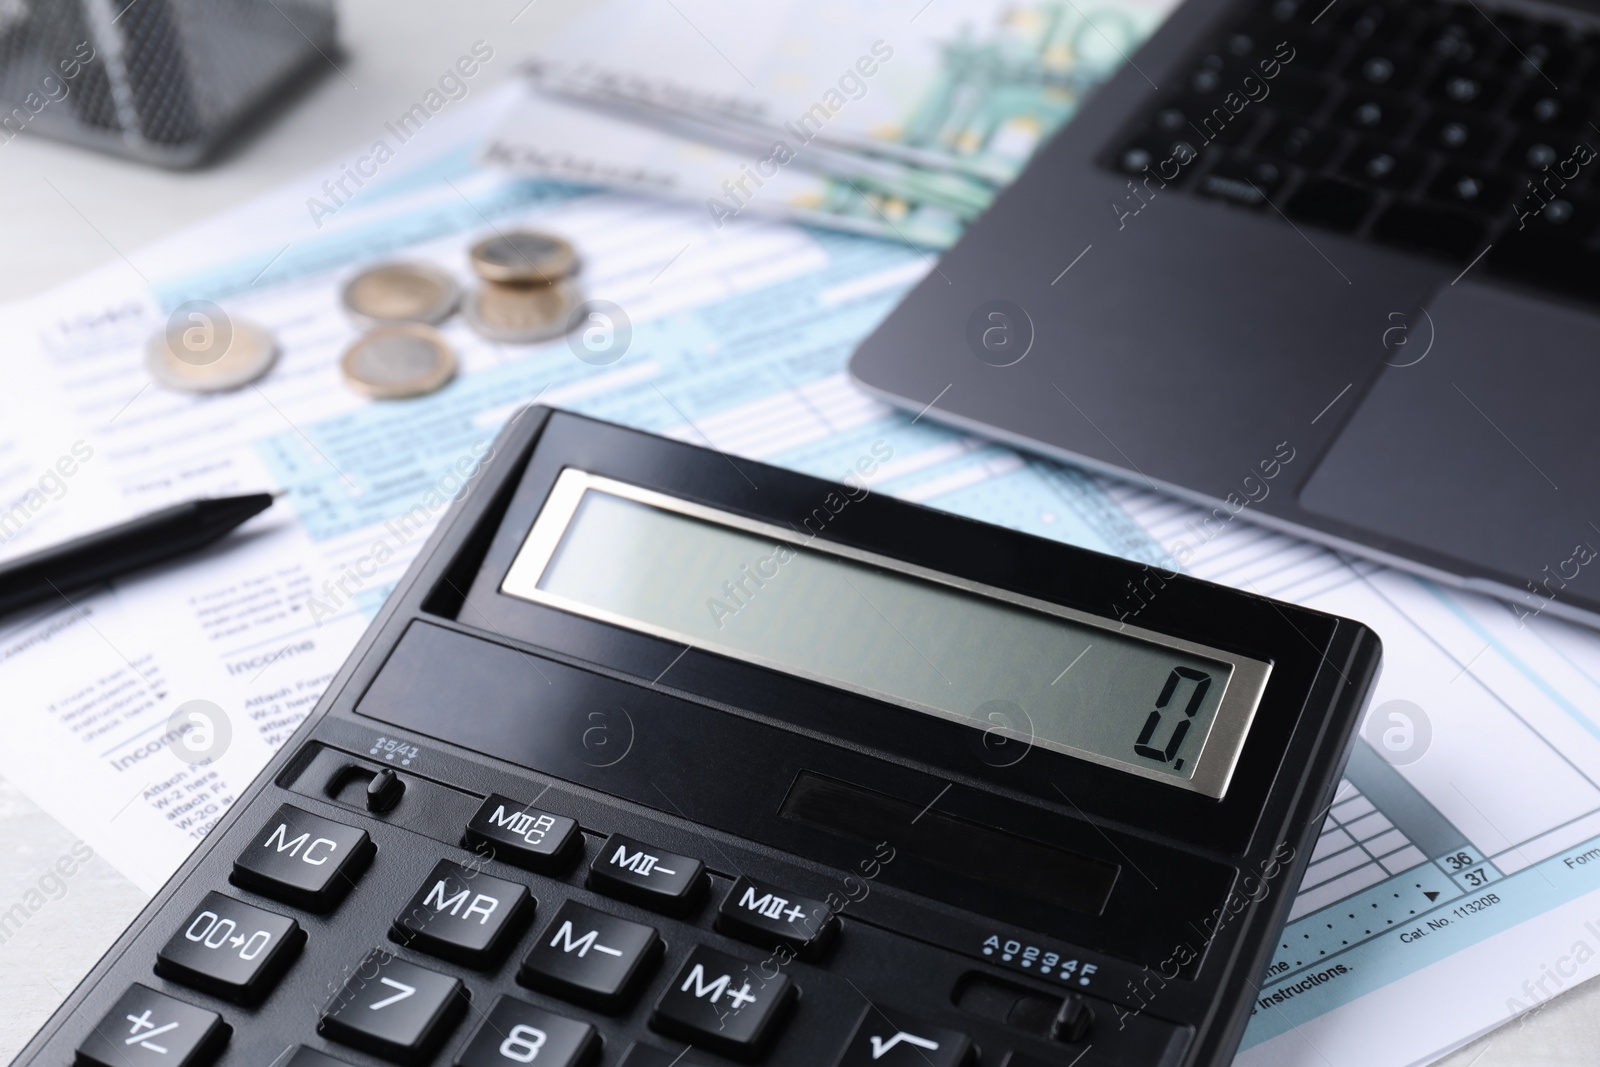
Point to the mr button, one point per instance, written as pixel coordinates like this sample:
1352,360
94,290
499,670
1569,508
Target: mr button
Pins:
303,859
721,1003
634,871
463,915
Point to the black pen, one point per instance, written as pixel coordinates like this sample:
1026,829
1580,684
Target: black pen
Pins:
94,558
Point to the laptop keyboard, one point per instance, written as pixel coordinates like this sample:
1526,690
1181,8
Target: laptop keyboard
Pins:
1439,127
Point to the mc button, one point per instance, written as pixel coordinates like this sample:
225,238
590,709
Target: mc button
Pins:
303,859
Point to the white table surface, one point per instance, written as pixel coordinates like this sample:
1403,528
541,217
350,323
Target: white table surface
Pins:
66,211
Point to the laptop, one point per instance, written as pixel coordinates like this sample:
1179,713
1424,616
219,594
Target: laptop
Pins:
1327,266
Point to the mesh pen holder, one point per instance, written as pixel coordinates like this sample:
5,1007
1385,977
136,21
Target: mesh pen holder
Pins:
163,81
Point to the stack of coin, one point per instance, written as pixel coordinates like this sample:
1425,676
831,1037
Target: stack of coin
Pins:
527,294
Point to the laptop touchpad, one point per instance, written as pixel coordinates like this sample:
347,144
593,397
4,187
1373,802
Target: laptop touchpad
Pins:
1487,449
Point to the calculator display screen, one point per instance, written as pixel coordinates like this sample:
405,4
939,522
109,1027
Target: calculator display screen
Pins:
795,603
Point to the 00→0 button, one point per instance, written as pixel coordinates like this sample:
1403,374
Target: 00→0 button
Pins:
231,949
303,859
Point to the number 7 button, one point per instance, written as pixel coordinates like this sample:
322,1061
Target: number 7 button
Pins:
394,1009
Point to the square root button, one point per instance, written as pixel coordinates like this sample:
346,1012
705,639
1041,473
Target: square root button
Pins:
303,859
724,1004
887,1038
642,874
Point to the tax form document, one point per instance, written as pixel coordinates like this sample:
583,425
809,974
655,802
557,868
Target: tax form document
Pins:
1458,875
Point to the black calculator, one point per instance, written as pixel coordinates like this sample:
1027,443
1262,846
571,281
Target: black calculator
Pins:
659,757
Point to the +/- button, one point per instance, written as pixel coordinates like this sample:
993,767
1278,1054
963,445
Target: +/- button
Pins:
464,916
721,1003
642,874
384,790
231,949
767,916
303,859
394,1009
886,1038
150,1029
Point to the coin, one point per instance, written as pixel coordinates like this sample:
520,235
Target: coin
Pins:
525,257
211,361
393,362
520,314
400,292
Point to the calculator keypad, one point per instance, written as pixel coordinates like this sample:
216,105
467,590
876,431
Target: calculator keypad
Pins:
464,915
515,1033
393,1008
523,835
720,1002
590,958
229,948
634,871
303,859
150,1029
406,1012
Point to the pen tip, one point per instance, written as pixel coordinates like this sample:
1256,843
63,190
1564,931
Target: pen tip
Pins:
278,493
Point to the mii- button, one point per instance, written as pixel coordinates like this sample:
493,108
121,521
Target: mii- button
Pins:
643,874
303,859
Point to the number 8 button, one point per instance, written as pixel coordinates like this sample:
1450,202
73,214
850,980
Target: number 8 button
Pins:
231,949
516,1033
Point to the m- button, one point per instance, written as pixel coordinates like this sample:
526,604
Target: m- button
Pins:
303,859
590,957
634,871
